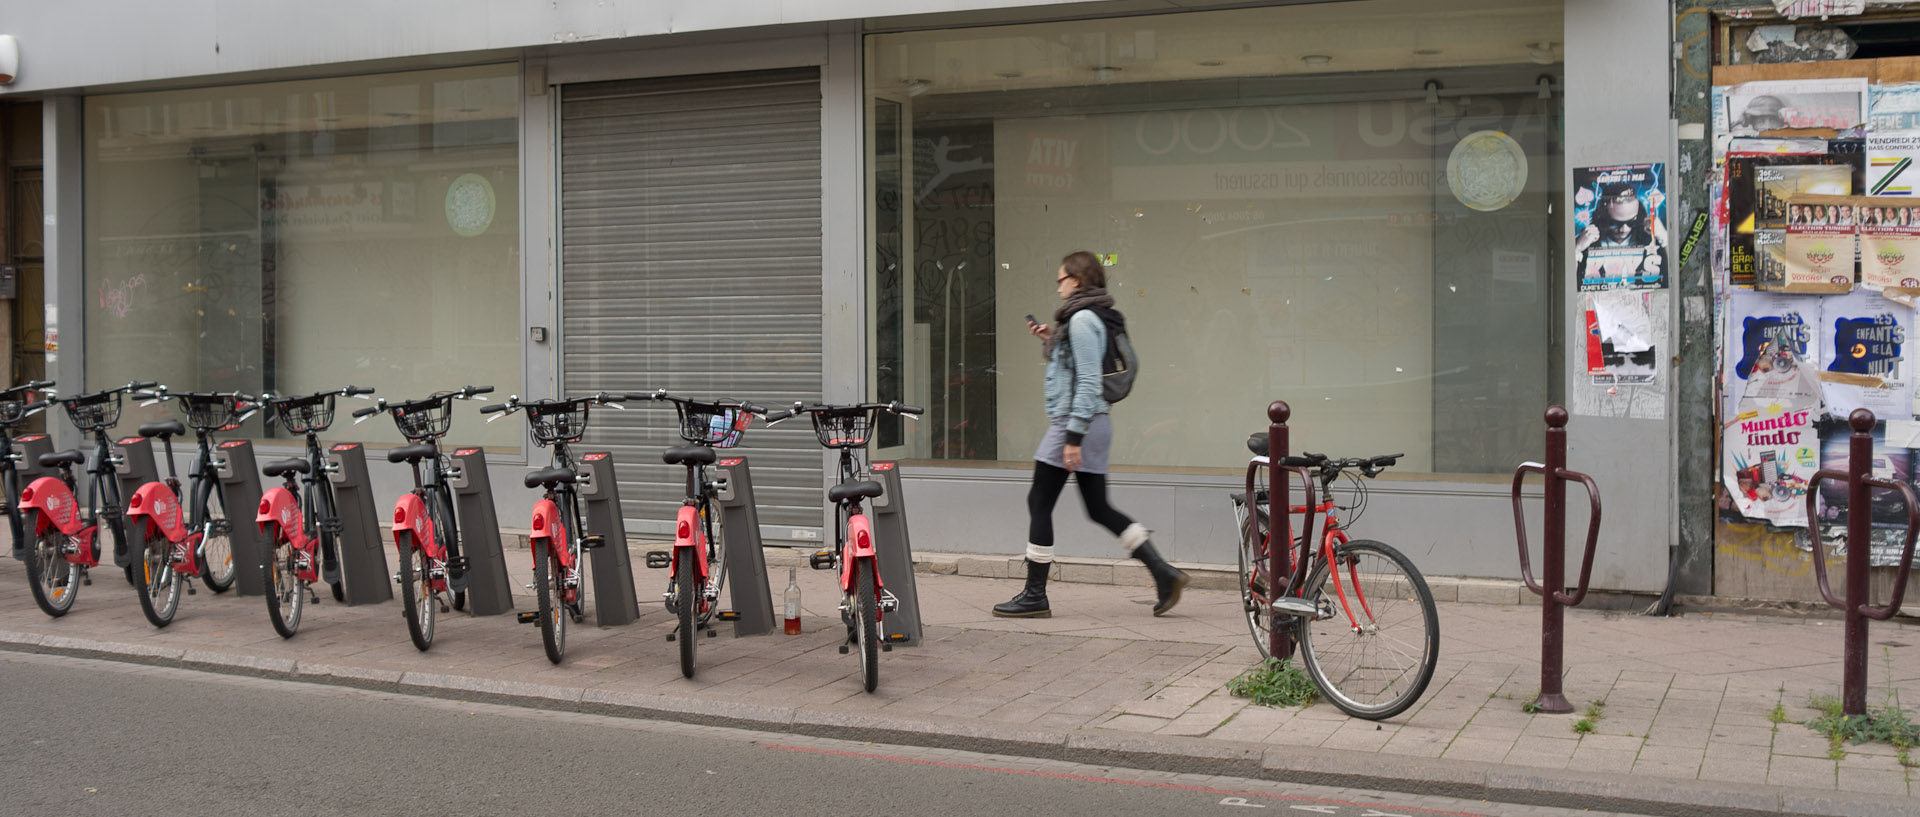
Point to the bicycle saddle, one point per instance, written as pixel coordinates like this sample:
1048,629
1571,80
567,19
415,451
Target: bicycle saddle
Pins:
411,453
849,490
1258,444
59,458
549,477
278,467
170,428
689,455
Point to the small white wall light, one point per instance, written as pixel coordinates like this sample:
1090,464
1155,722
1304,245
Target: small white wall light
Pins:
9,59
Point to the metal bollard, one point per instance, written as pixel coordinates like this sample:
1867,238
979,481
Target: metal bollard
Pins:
1279,521
1857,604
1552,593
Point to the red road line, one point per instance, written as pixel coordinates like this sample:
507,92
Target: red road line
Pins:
1093,779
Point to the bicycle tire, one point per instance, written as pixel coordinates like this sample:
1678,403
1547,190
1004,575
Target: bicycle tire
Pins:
158,581
548,579
323,510
440,505
716,561
1253,598
866,614
687,604
281,585
416,593
217,569
55,581
1365,673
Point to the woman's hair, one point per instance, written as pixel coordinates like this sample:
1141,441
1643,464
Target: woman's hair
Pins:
1082,266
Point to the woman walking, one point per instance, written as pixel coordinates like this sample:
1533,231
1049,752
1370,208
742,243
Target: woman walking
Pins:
1079,435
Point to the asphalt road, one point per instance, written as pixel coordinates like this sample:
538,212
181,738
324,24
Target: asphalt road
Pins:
84,737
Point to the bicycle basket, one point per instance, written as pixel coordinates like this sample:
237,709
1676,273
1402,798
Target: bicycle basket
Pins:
93,412
212,412
843,429
713,425
424,420
305,415
562,422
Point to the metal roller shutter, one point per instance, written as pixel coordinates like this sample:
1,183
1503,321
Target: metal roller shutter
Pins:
690,261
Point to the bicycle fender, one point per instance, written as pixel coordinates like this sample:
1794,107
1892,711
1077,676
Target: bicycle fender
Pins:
279,506
859,546
687,533
159,509
55,503
410,515
547,525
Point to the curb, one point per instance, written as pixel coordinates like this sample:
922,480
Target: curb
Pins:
1278,763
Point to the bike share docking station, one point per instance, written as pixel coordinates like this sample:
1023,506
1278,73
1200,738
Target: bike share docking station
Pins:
363,555
134,466
488,592
239,475
27,468
889,511
746,562
1552,586
614,599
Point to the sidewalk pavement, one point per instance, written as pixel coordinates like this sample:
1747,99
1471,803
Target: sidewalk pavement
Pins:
1686,727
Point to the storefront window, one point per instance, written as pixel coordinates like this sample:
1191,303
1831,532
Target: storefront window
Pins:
299,236
1346,206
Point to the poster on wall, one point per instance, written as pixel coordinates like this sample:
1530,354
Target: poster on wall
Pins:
1768,335
1774,187
1890,246
1820,245
1754,108
1619,226
1757,188
1891,169
1620,347
1863,362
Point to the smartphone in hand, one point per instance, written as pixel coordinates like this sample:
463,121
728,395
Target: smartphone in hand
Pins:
1031,321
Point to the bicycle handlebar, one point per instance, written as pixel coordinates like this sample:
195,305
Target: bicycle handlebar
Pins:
1370,466
369,411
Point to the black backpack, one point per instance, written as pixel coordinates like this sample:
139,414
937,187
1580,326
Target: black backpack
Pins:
1119,364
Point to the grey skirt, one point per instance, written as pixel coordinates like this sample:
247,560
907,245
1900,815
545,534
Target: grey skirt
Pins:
1093,447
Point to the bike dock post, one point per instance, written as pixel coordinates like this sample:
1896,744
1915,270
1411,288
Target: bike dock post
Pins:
1552,587
1279,521
1858,604
896,553
363,556
27,468
137,466
240,495
750,594
487,590
614,600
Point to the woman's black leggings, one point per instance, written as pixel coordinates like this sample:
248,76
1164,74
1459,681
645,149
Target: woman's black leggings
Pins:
1048,482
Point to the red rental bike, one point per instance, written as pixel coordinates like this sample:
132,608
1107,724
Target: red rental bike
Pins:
196,543
302,548
65,535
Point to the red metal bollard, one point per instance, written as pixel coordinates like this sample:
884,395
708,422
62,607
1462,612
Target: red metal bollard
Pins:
1553,597
1279,526
1857,605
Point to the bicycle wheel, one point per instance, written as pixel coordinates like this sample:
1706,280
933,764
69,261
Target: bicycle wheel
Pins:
55,580
440,505
686,591
716,562
1253,583
1373,648
286,597
549,580
158,581
416,596
323,510
866,623
216,541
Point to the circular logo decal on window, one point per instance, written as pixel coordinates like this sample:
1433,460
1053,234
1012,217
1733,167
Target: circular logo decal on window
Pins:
470,204
1487,170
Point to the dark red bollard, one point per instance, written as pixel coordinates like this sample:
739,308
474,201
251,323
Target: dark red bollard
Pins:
1858,603
1553,596
1279,526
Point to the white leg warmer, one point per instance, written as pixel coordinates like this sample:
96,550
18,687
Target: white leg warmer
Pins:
1040,554
1134,536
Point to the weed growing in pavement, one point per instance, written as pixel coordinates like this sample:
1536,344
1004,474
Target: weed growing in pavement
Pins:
1778,715
1583,726
1891,723
1274,682
1597,710
1532,706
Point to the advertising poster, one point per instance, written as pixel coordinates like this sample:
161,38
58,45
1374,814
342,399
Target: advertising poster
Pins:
1769,335
1754,108
1894,107
1863,361
1820,245
1890,245
1890,462
1774,187
1748,211
1620,349
1619,227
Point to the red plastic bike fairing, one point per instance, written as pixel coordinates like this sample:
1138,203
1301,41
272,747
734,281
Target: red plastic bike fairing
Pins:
687,533
547,525
410,515
859,547
279,506
54,500
160,509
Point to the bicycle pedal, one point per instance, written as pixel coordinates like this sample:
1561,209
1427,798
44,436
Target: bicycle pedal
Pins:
891,637
332,526
191,591
711,632
657,559
885,647
1296,606
821,561
729,615
673,635
529,617
594,542
457,566
843,649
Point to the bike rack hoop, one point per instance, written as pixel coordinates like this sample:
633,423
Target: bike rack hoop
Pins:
1520,533
1899,591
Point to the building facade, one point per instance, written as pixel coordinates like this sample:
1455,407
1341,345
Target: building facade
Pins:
1367,209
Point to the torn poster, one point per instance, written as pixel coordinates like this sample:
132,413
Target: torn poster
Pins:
1892,108
1792,9
1863,362
1754,108
1888,462
1619,227
1769,447
1768,337
1620,339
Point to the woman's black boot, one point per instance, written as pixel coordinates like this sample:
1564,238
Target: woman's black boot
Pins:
1167,579
1032,601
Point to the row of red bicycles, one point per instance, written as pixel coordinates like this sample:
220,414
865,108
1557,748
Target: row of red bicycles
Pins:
181,534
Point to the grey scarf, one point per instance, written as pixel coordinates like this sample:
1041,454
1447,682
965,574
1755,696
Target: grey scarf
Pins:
1082,298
